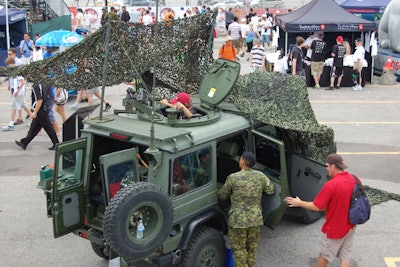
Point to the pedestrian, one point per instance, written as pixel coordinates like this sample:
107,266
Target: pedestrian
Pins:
317,58
359,56
307,45
297,58
227,50
337,234
235,32
80,21
40,117
26,48
111,15
87,20
245,188
228,17
125,17
16,85
266,30
147,19
338,53
12,52
96,91
251,35
103,16
257,56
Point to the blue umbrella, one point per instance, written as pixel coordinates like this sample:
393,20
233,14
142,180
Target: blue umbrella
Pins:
59,38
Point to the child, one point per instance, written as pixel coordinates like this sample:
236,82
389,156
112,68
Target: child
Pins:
17,87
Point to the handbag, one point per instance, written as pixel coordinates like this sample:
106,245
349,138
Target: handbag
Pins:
360,209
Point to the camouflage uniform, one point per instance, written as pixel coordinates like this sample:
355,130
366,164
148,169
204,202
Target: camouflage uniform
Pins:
245,216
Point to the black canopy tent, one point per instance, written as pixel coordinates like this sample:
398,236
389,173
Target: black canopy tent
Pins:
326,16
322,15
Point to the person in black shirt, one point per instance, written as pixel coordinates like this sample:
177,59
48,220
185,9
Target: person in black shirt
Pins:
40,117
228,17
297,58
338,52
317,58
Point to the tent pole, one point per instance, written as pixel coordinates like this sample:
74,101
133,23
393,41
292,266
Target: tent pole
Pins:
286,40
7,27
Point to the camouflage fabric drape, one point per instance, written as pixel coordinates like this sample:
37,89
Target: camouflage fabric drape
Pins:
282,100
180,48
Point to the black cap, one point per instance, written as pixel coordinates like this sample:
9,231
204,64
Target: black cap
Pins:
358,40
249,158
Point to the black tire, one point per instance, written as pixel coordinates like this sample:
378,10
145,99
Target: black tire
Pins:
206,249
100,251
307,216
138,201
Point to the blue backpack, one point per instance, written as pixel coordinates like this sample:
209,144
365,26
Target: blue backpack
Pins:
360,209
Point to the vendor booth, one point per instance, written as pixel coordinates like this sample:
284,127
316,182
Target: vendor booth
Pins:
17,28
326,16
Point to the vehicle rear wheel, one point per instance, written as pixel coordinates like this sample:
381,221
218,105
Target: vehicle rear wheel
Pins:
206,248
138,201
307,216
100,251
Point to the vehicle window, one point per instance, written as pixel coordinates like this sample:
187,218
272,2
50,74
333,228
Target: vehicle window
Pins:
121,175
70,169
268,156
191,171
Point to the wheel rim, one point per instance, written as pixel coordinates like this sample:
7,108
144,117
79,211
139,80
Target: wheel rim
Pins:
151,216
208,256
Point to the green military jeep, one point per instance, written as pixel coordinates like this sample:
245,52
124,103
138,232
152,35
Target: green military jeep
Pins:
153,169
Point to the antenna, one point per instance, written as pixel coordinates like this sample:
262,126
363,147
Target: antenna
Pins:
152,146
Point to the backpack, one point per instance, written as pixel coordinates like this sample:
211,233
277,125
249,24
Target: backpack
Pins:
360,209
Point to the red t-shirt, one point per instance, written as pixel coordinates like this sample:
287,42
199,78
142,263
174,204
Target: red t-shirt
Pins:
335,196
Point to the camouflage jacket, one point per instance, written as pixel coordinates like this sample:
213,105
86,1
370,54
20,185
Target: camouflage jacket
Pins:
245,189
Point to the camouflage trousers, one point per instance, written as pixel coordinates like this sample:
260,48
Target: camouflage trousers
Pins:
244,244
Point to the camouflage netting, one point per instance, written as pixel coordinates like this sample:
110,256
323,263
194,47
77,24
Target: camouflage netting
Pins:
179,46
282,100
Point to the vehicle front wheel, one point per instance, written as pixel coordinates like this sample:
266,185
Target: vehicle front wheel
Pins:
206,248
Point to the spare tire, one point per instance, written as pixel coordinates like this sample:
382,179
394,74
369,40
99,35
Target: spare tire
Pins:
137,201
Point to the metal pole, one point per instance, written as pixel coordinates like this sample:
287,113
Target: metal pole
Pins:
7,27
103,85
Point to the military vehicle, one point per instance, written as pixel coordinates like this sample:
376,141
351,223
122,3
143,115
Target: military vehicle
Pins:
139,167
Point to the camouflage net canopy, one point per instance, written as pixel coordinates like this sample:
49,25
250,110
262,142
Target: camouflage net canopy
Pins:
282,100
180,48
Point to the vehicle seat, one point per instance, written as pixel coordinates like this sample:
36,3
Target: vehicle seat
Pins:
227,160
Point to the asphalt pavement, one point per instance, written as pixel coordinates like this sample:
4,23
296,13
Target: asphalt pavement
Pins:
26,233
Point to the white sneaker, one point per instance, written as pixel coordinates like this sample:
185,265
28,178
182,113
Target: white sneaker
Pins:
355,87
74,106
8,128
359,87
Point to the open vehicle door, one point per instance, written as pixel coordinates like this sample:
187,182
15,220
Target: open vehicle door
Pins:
118,169
67,191
307,179
270,155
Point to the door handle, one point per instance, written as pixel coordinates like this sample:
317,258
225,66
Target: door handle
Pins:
309,171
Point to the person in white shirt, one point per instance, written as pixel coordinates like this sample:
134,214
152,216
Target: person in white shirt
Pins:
307,45
16,86
358,57
79,19
147,19
87,19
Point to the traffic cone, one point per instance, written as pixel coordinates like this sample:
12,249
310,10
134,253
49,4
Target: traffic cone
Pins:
389,65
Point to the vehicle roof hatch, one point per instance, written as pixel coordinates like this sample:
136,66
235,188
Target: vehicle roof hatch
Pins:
218,81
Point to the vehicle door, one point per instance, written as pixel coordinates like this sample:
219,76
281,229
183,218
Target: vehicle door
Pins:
271,160
68,186
118,169
307,178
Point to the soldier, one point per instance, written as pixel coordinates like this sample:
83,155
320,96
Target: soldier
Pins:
245,216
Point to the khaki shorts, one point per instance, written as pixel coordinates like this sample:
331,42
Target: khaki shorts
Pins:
330,248
92,90
237,43
317,67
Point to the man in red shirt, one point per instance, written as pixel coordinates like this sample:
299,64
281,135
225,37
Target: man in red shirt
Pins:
336,239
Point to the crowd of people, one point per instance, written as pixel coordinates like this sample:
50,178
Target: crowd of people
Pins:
254,36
